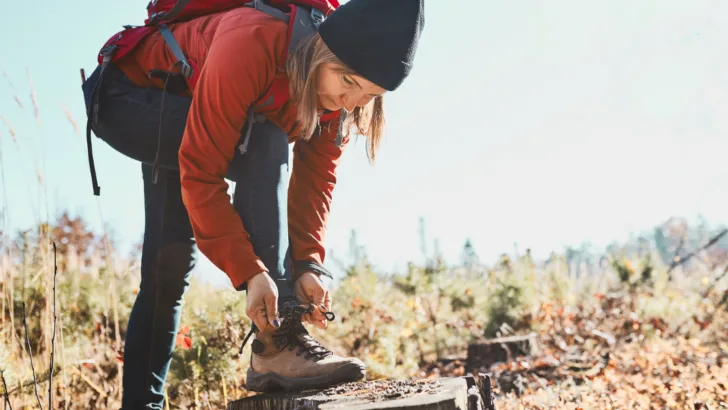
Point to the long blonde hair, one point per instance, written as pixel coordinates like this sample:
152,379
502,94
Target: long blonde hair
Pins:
302,68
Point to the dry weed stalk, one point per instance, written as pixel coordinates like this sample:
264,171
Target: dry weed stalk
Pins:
30,354
17,148
33,96
11,305
53,338
6,395
71,119
117,336
224,391
63,368
11,130
15,91
6,208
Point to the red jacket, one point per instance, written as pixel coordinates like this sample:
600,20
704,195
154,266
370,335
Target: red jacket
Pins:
238,53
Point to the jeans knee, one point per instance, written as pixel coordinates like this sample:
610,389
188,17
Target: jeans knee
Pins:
174,262
178,256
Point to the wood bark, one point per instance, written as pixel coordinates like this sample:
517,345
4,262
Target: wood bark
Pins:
502,349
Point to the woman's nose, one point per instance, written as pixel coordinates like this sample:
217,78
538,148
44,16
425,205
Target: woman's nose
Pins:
350,101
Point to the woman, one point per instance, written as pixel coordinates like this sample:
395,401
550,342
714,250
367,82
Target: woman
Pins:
269,240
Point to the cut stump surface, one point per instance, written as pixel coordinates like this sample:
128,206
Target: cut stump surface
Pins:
457,393
503,349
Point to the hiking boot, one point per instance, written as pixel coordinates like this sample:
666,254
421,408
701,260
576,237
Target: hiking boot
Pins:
290,359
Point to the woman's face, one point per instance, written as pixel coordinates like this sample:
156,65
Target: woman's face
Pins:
337,90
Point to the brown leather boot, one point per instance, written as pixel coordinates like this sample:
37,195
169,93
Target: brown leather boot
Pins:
292,360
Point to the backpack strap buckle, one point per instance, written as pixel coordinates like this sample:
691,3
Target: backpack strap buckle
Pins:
317,17
185,67
268,9
107,52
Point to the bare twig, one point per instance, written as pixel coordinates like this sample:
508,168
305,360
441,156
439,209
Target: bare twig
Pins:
40,378
90,383
30,354
63,367
715,282
5,390
676,256
53,338
117,336
678,329
711,242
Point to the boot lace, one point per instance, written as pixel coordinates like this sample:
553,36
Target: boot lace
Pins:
293,335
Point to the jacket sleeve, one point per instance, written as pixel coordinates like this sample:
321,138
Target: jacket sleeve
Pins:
239,67
309,196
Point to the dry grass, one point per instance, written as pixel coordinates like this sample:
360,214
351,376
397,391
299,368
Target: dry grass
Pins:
402,327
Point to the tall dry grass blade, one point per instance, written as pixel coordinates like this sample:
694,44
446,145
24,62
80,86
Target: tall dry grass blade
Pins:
11,297
36,108
3,267
15,91
224,391
117,337
72,120
4,291
33,97
63,365
30,354
39,174
6,209
6,395
10,129
53,339
17,147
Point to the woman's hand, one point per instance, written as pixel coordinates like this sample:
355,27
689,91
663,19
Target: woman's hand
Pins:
310,290
262,303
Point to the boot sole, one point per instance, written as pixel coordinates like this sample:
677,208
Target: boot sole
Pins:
271,381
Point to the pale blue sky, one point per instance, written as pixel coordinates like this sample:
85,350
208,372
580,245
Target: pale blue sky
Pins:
541,123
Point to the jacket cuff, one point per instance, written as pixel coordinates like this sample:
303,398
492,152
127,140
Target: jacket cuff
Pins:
242,276
299,267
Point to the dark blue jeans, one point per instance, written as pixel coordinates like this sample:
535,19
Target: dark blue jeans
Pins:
128,120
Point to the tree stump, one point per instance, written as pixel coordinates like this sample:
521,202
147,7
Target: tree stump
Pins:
453,393
502,349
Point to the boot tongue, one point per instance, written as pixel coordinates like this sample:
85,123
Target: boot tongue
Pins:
298,334
306,340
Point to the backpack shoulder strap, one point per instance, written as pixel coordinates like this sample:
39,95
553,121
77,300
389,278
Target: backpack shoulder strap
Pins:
305,23
168,15
302,22
260,5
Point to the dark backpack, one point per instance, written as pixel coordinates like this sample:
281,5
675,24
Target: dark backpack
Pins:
306,15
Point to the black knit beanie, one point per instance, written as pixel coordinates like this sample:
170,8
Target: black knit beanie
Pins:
376,38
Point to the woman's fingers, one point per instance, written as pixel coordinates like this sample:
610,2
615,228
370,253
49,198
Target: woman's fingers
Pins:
271,309
327,301
310,291
262,302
